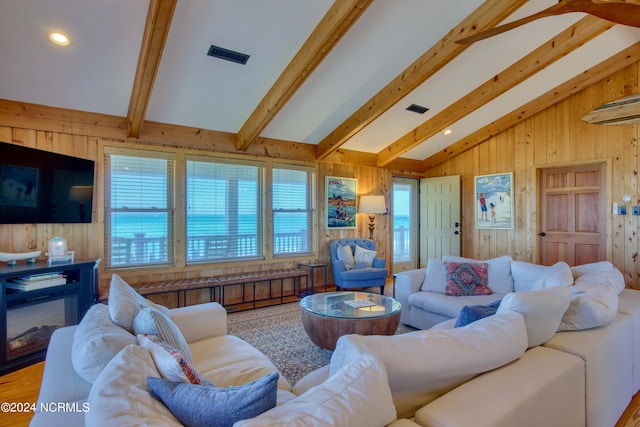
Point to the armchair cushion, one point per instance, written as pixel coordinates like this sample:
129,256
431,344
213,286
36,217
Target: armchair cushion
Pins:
364,256
346,256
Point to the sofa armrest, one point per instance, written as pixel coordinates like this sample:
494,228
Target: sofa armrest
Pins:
407,283
200,321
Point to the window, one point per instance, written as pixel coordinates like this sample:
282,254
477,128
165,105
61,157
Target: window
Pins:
293,207
224,210
138,208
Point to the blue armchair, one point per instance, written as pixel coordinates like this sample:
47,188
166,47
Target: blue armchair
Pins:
359,277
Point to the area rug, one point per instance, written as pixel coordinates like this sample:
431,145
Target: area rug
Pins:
277,331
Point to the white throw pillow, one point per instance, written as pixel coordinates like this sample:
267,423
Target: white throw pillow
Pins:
436,360
602,279
357,395
579,270
150,321
364,256
124,303
542,311
346,256
435,279
534,277
499,272
96,341
589,308
120,395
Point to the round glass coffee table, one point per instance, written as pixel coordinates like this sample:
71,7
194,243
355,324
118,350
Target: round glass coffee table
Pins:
328,316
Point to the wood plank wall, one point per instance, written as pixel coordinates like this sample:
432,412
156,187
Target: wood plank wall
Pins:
556,137
87,239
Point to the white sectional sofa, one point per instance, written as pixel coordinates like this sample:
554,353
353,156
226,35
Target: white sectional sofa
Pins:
506,369
598,332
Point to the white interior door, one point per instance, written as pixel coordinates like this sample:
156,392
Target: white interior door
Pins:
439,217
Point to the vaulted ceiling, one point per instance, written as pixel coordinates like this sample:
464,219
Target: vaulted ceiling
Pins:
337,75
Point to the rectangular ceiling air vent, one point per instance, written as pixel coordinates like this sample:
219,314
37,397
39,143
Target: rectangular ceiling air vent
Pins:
417,108
228,55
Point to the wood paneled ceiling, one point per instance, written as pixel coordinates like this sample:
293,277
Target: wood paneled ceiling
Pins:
336,77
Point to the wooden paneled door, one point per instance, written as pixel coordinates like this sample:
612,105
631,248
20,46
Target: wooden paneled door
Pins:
572,214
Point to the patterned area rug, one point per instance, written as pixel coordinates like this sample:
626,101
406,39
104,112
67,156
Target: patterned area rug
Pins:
278,332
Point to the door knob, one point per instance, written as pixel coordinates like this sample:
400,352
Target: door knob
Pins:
542,234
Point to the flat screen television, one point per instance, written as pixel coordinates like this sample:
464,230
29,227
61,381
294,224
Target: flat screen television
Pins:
43,187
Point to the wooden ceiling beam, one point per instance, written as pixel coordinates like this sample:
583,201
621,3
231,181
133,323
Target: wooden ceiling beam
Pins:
155,35
617,62
335,24
489,14
551,51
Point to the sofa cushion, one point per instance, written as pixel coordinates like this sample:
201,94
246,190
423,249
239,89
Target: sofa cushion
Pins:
228,360
124,303
345,254
589,308
470,314
542,311
533,277
150,321
438,360
356,395
96,341
466,278
364,256
120,395
196,405
171,363
499,272
435,279
364,273
597,279
579,270
447,306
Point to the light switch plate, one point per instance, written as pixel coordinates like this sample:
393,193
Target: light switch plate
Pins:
622,210
635,210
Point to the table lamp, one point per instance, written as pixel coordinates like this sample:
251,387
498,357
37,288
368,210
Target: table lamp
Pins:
372,205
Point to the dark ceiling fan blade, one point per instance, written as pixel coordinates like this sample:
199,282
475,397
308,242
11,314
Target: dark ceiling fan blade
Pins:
556,9
618,12
613,11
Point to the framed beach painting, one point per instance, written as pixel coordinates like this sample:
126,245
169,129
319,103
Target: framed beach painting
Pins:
340,202
494,201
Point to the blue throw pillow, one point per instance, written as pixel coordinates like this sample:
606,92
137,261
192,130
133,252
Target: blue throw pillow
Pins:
197,405
471,313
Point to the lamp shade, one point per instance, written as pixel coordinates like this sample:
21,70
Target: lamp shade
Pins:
372,205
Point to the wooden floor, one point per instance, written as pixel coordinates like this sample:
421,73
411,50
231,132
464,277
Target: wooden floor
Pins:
20,387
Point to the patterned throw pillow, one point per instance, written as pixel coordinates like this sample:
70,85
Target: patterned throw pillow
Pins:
171,363
464,279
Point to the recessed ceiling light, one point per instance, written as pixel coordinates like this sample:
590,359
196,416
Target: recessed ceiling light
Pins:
448,132
59,38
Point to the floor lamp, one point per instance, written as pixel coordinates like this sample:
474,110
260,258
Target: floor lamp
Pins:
372,205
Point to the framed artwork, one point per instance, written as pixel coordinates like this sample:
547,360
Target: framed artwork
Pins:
19,186
494,201
340,202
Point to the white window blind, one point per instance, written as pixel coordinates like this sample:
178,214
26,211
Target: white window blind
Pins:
294,210
224,210
138,209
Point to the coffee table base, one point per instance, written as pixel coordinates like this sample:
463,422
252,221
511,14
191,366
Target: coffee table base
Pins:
324,331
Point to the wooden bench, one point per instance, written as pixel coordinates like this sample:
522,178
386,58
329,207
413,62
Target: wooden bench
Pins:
220,282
